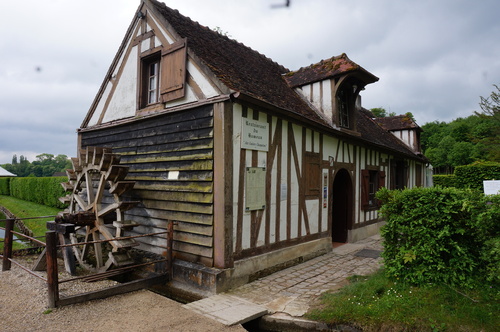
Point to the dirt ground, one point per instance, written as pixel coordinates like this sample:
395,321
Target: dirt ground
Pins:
23,307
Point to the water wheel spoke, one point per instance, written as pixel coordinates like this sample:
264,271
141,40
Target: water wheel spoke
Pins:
90,187
85,249
108,209
82,203
98,250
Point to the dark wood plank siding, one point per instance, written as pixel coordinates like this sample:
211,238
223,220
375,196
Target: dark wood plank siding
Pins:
171,159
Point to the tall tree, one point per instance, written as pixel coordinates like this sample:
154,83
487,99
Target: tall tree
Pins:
490,107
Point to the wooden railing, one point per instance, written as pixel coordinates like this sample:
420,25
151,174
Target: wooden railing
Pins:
52,280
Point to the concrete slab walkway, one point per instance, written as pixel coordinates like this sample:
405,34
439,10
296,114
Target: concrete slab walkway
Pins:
291,292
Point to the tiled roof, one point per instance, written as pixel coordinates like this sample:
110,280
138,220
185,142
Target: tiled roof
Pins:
335,66
397,122
376,134
238,66
246,71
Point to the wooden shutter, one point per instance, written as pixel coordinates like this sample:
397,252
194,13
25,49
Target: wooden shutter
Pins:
173,71
381,183
312,174
365,188
381,179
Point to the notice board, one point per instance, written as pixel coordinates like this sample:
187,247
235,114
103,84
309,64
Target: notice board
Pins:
255,189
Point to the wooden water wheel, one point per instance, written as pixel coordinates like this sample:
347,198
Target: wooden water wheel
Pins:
96,184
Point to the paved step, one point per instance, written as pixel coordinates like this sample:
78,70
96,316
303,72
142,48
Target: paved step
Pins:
227,309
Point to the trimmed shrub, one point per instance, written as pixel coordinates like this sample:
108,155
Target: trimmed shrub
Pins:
444,180
473,175
491,247
4,185
45,191
437,235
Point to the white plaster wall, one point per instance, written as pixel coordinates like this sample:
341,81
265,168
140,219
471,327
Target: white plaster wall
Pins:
327,98
407,136
312,211
163,31
100,105
123,104
316,97
201,80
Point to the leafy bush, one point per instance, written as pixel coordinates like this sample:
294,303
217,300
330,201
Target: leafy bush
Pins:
437,235
444,180
491,247
473,175
45,191
4,185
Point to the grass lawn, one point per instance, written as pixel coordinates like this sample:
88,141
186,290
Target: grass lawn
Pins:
24,209
375,303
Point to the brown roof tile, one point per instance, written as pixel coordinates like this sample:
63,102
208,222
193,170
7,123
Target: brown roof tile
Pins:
335,66
375,134
251,73
397,122
238,66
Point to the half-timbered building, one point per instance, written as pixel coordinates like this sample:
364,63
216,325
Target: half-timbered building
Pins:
259,166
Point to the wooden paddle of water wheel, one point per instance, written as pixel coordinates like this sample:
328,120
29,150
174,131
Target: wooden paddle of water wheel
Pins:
96,184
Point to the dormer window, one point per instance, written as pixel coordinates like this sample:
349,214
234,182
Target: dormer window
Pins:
343,102
346,103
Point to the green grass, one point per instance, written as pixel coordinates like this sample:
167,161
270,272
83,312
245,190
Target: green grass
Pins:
378,304
24,209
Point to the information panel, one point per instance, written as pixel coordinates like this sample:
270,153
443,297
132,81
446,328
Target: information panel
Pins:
255,193
491,187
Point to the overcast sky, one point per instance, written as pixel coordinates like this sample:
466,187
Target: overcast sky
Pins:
434,58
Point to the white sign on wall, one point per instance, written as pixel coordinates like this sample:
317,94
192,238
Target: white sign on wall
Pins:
491,187
255,193
254,135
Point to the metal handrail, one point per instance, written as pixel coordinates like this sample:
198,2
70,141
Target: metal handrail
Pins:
115,239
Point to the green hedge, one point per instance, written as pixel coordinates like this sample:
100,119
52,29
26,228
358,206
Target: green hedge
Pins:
4,185
440,235
473,175
45,191
444,180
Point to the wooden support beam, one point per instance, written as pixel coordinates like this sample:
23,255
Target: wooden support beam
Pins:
7,244
114,290
52,276
60,228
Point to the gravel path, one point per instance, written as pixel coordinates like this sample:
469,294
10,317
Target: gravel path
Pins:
23,307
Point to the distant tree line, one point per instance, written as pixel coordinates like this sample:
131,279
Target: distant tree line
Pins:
44,165
463,140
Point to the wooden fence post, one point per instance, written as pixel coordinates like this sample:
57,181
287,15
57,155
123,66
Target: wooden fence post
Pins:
170,239
7,244
52,277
